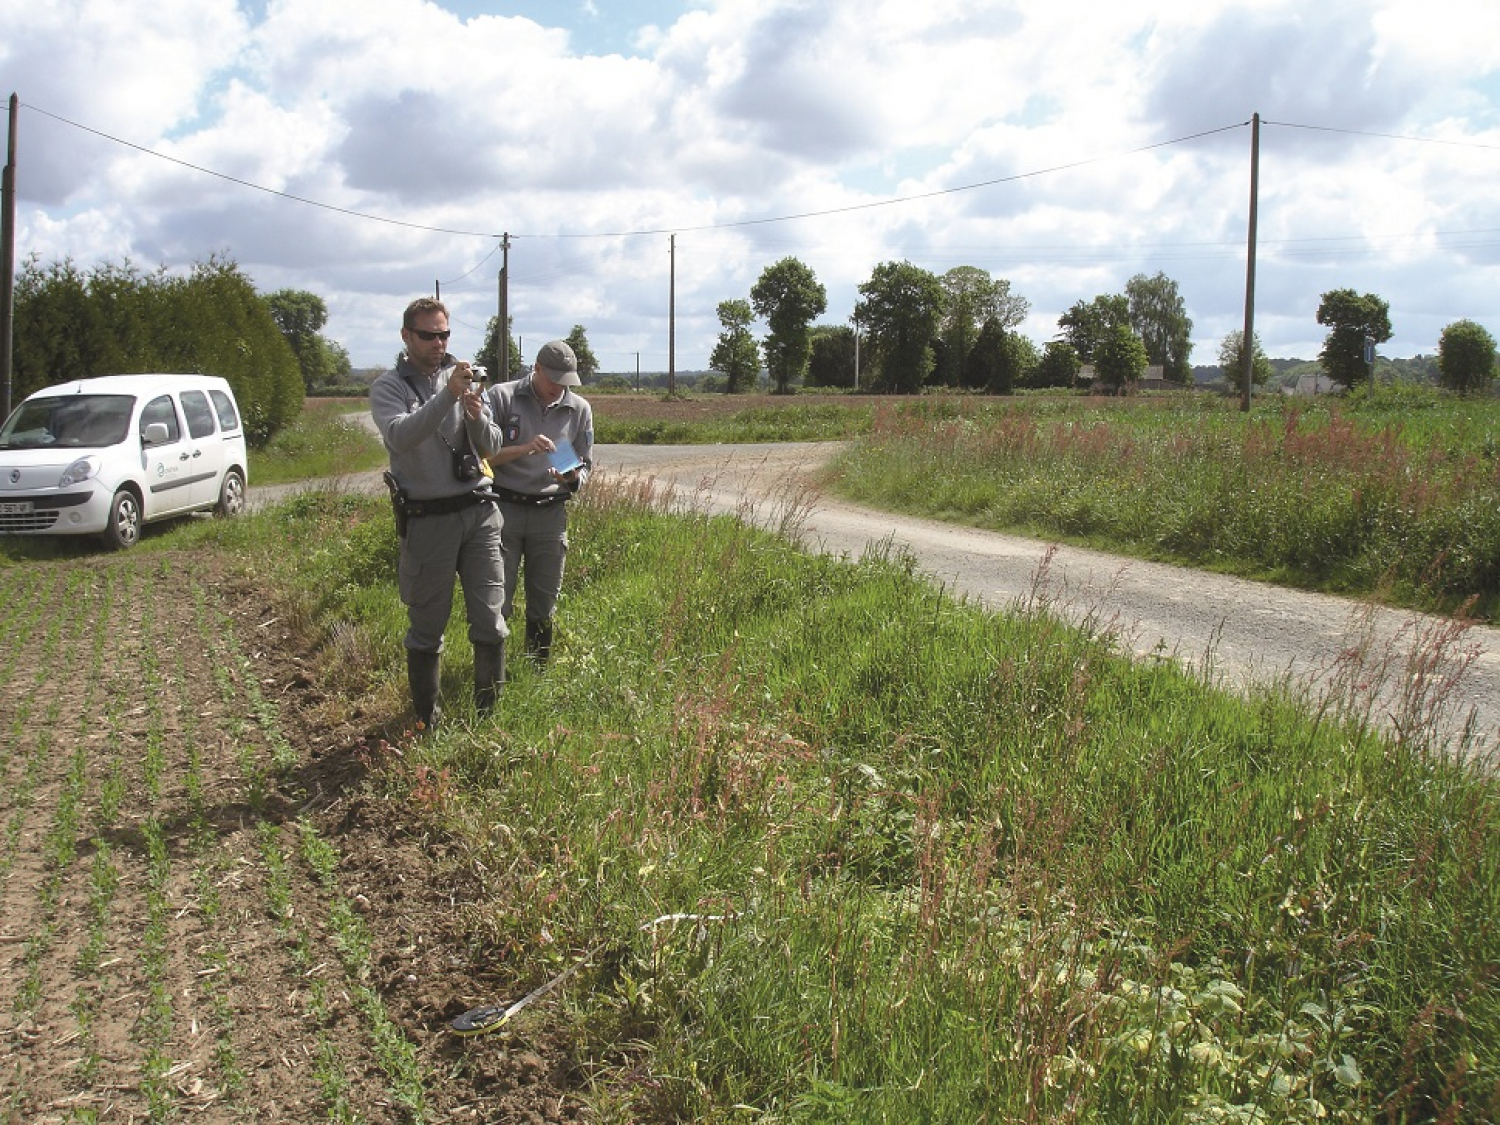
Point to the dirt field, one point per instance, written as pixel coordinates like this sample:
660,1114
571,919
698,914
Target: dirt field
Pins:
701,407
171,944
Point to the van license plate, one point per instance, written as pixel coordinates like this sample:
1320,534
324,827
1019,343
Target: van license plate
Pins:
15,508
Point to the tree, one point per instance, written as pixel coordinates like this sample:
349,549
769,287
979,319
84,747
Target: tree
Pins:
832,361
126,316
578,340
1120,357
1232,360
300,316
789,297
971,299
488,356
1466,357
1058,366
736,354
1160,319
988,363
61,331
1351,319
235,336
1010,307
341,368
901,309
69,325
1021,359
1087,323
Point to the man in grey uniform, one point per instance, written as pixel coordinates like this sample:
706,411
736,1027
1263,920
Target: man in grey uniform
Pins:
438,428
539,416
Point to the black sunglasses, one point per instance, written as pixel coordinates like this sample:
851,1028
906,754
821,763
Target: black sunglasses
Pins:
423,334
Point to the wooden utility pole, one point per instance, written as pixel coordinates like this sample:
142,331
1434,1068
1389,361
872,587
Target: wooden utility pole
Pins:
856,353
503,335
672,323
1248,342
8,261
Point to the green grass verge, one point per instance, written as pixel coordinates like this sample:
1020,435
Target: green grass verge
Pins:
972,866
321,444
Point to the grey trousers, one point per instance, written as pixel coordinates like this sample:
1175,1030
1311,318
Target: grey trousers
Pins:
539,538
437,549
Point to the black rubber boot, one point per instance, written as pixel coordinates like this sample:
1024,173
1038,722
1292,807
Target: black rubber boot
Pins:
489,676
422,678
539,642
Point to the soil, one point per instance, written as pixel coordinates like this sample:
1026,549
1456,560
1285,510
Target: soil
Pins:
707,407
165,950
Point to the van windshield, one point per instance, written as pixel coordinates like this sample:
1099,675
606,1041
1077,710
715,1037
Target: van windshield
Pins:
68,422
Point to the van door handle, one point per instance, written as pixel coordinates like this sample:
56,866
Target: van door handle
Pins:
182,457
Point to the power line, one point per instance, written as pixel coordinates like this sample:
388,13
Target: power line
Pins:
894,201
259,187
765,220
470,272
905,198
1382,136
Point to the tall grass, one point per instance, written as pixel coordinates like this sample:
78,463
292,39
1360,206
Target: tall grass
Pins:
1393,494
321,443
963,867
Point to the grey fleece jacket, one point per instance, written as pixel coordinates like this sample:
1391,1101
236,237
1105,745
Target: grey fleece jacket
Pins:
420,435
521,416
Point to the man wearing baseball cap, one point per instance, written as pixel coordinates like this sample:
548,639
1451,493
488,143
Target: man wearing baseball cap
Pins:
547,456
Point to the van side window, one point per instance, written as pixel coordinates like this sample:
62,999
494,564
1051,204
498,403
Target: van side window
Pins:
229,419
200,419
160,410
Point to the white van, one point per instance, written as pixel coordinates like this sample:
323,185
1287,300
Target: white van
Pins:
107,455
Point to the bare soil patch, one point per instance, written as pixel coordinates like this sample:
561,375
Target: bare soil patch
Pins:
657,407
166,948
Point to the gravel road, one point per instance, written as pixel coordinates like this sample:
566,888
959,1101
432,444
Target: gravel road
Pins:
1238,631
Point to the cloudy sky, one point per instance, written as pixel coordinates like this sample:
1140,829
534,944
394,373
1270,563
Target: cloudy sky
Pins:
373,150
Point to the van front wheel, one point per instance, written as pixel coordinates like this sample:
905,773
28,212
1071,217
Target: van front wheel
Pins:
123,528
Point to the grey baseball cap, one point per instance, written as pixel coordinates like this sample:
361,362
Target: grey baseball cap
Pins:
561,365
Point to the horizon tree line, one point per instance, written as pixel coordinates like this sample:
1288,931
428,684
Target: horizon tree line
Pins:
917,329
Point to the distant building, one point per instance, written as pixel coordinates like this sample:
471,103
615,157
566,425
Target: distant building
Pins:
1311,384
1154,379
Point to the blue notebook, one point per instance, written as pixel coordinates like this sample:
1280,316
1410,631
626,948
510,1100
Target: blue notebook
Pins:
565,458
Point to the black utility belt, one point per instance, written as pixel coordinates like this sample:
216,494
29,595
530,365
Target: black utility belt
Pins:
447,505
530,500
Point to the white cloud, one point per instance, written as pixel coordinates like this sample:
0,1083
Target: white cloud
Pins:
119,68
741,110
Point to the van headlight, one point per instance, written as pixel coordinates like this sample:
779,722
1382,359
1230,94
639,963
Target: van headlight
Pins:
79,471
